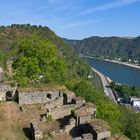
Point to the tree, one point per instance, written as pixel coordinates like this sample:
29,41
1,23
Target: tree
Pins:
35,56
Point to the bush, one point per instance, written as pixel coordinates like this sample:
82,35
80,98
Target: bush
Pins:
49,118
73,113
106,109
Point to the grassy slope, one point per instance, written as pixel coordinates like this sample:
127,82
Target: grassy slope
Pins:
9,126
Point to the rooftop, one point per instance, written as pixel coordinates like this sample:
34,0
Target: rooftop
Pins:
134,98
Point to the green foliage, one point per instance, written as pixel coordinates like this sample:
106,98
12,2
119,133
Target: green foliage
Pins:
49,118
73,113
13,84
125,91
26,43
107,110
109,47
131,125
2,59
120,119
37,56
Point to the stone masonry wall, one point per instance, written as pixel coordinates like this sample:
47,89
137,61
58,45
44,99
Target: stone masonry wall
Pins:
55,103
2,96
61,111
37,97
103,135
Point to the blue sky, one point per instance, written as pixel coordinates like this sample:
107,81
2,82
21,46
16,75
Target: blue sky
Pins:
76,19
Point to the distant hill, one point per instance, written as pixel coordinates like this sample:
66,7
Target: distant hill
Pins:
125,48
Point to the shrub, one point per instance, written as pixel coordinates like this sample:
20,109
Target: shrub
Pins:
49,118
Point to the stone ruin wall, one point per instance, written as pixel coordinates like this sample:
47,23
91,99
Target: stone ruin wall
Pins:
37,97
105,134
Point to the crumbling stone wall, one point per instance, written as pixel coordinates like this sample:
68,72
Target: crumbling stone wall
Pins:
61,111
79,101
5,90
70,126
2,96
99,129
53,104
85,113
102,135
45,97
83,119
68,97
36,133
37,97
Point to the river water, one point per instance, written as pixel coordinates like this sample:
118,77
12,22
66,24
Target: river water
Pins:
117,72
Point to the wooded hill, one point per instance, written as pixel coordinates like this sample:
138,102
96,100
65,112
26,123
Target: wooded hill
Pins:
125,48
37,50
41,57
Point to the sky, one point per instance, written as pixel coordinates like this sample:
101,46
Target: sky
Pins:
76,19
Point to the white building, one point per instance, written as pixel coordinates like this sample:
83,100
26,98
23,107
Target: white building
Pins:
135,101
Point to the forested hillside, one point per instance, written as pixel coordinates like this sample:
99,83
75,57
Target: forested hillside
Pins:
41,57
111,47
36,50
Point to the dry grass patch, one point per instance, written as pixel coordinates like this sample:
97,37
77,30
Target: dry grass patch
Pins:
9,126
42,87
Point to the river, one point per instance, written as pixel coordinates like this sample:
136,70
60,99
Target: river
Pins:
117,72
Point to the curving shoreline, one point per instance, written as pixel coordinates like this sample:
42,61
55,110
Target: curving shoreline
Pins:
117,62
122,63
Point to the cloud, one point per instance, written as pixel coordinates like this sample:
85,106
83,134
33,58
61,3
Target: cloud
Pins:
118,3
59,5
77,24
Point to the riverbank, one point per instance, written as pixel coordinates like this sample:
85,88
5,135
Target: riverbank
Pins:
106,85
117,62
122,63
